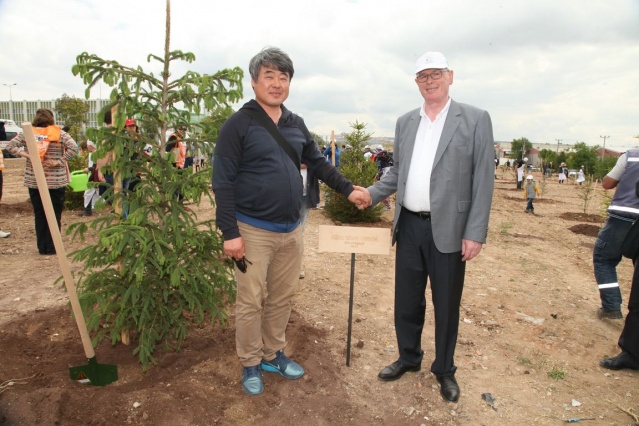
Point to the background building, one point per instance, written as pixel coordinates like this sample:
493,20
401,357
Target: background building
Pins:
25,110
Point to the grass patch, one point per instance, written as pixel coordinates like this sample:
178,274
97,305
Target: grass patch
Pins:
557,373
522,360
505,228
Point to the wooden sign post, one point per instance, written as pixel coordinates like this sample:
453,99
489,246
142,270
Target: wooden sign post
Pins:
348,239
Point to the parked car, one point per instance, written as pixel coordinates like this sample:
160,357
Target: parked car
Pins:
12,130
572,173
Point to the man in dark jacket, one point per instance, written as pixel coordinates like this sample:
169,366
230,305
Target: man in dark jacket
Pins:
258,194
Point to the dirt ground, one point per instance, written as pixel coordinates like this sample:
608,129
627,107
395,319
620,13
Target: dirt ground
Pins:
529,336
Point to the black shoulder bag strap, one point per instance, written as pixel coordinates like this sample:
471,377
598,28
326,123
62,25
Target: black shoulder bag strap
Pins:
270,126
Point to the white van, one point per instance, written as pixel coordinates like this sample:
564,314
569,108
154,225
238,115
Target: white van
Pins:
12,129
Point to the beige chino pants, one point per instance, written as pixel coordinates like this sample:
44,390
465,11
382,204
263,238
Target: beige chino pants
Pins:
265,291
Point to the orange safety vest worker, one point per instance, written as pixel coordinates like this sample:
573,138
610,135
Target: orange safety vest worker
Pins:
179,150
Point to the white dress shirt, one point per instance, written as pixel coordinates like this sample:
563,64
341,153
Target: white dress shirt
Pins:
417,196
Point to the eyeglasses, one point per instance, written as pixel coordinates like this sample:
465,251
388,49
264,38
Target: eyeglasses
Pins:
241,264
435,75
183,129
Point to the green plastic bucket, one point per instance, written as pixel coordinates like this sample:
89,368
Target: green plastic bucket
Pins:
79,181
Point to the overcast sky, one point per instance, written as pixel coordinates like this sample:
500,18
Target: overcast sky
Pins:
544,69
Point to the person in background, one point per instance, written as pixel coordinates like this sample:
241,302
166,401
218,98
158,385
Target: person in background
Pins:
3,137
328,153
440,225
137,151
176,147
581,176
519,167
310,197
562,173
531,191
91,195
258,195
384,164
367,153
58,148
622,213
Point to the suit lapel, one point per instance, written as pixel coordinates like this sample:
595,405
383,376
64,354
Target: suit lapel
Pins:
450,126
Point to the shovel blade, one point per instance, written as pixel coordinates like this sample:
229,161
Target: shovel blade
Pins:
94,373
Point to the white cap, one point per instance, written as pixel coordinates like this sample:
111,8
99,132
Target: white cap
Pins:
381,148
91,143
529,177
525,158
431,60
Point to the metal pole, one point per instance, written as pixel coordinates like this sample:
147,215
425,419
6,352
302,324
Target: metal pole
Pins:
10,99
350,312
603,152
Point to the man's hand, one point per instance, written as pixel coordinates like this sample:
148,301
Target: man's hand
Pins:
360,197
470,249
234,248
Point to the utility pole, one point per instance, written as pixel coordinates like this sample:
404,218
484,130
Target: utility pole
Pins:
10,99
603,152
558,140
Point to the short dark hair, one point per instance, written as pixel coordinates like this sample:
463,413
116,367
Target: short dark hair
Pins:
66,129
43,118
271,57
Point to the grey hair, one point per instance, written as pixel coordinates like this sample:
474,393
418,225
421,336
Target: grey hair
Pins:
271,57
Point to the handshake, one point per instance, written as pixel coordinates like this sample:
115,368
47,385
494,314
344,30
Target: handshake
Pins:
360,197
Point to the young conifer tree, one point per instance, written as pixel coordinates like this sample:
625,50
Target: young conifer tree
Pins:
355,167
155,269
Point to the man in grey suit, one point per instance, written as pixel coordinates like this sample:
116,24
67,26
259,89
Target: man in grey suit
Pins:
443,176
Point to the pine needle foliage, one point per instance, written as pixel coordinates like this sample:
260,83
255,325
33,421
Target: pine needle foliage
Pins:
159,270
355,167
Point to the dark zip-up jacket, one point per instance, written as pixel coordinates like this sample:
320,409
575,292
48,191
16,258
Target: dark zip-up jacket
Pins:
256,181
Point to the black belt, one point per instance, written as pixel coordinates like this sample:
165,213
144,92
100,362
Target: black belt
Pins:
421,215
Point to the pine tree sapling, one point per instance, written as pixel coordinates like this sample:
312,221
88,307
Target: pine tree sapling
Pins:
156,269
361,172
586,192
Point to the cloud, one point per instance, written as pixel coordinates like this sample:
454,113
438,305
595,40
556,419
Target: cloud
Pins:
544,69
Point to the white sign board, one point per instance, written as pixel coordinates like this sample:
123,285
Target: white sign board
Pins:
349,239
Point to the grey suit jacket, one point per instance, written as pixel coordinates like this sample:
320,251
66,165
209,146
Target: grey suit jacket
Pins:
462,179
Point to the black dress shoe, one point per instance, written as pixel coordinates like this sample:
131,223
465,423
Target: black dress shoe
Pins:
619,362
449,388
396,370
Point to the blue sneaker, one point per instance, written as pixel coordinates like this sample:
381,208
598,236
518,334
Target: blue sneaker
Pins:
252,380
283,366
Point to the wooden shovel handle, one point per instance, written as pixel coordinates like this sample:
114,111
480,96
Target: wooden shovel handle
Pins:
34,156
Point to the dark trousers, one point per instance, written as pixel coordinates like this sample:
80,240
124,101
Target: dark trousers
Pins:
605,258
43,235
417,259
108,177
629,339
